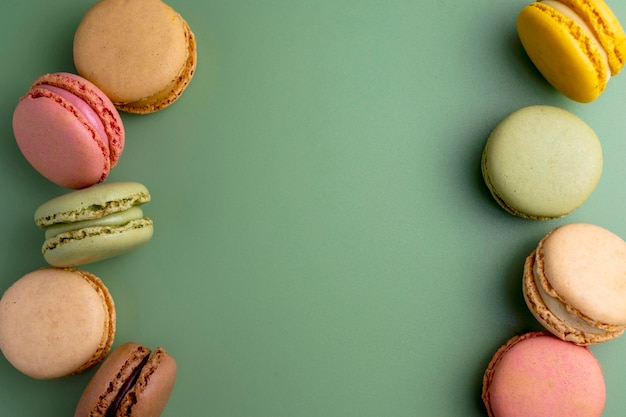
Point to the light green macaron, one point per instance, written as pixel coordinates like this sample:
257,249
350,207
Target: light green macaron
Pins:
542,162
93,224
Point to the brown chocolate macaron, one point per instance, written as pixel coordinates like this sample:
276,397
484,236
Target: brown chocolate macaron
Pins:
131,382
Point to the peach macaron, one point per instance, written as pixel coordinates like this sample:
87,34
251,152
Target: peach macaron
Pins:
574,283
56,322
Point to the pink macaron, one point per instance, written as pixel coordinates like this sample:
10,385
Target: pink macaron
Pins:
68,130
537,374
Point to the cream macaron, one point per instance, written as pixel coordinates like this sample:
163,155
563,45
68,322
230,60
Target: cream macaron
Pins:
56,322
574,283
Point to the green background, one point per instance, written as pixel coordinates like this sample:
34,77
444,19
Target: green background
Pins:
324,244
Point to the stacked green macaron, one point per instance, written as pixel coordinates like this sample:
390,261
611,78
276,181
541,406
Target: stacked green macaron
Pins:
94,224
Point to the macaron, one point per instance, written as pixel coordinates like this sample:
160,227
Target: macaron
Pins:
94,224
576,44
574,283
541,162
68,130
537,374
56,322
131,382
141,53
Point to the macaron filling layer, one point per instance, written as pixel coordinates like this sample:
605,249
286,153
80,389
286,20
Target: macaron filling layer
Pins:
112,220
82,106
116,219
126,387
570,13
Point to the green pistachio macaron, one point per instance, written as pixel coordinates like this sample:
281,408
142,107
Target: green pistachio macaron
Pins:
93,224
541,162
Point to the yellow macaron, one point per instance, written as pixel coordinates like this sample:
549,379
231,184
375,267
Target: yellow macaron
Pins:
577,45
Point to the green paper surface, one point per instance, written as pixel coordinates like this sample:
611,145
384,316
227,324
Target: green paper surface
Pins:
324,243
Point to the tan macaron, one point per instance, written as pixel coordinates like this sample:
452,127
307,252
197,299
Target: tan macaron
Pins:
575,283
131,382
141,53
56,322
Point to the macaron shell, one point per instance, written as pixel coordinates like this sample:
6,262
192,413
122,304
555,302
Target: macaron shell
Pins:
152,390
56,322
586,266
537,374
542,162
93,244
104,386
91,203
58,141
563,52
147,54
